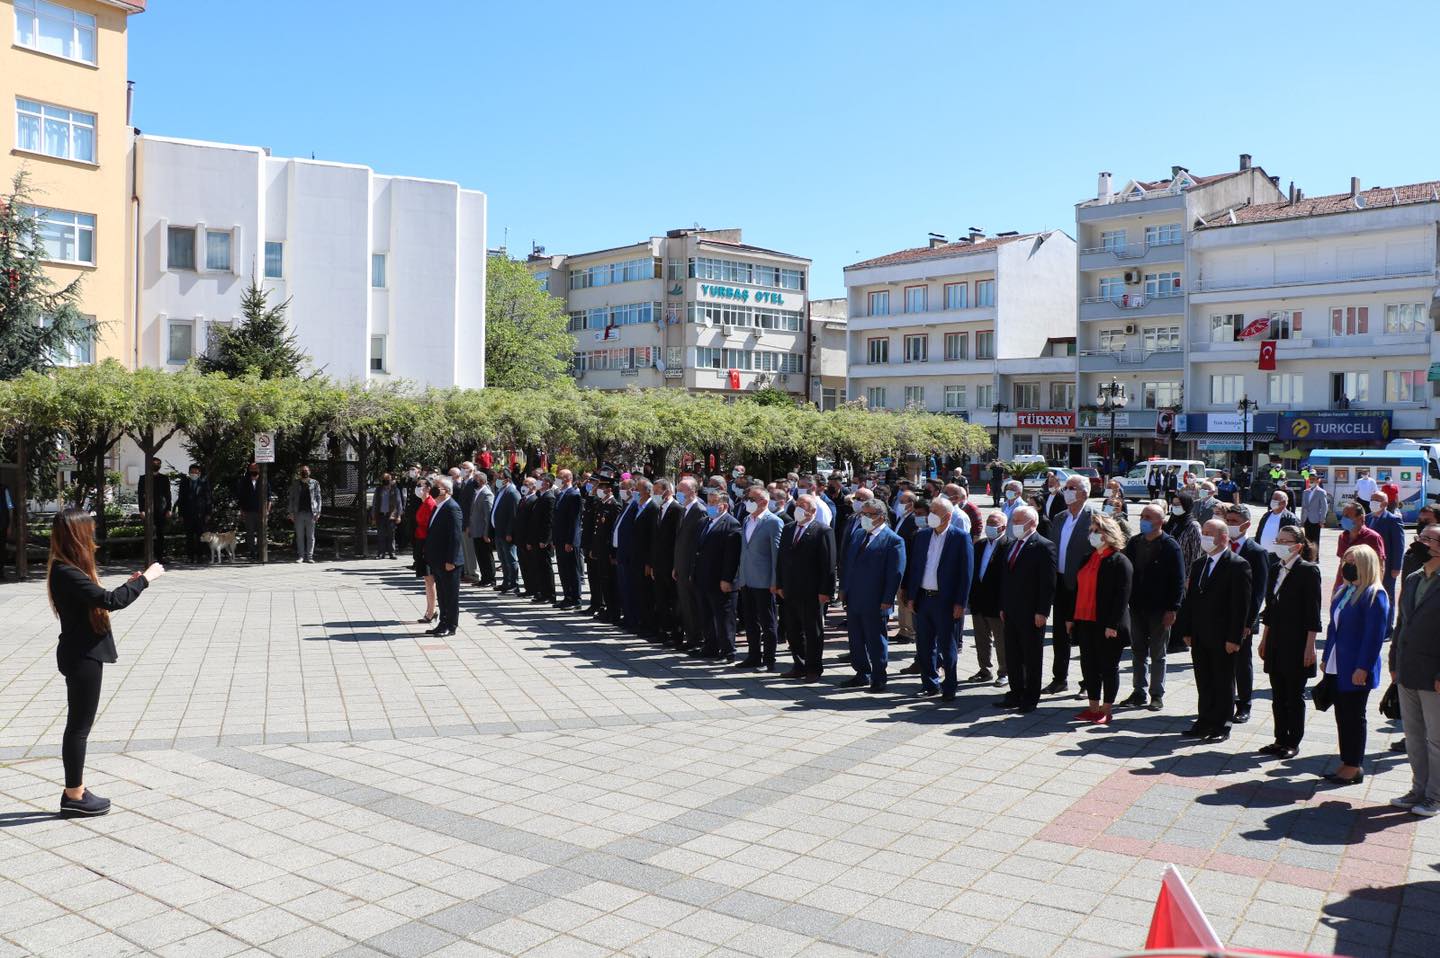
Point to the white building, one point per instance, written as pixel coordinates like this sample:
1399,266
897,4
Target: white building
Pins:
694,309
385,274
1132,281
1344,285
967,328
828,351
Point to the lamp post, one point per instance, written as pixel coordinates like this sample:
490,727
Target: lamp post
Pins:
1244,406
997,409
1111,397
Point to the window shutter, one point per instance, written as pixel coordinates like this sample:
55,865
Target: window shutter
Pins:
1362,322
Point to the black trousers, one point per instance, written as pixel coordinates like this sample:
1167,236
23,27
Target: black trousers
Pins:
568,564
666,621
1060,640
1287,704
1312,532
599,574
161,525
447,596
757,610
1350,725
719,622
194,529
805,634
544,574
1099,662
1245,673
689,614
1214,683
82,692
485,558
1024,657
613,611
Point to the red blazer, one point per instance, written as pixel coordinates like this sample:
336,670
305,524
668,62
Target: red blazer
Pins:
422,517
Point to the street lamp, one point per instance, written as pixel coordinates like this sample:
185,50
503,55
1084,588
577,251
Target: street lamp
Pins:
997,409
1110,397
1244,406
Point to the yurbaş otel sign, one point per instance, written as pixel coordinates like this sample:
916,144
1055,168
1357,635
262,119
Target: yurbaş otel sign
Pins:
741,295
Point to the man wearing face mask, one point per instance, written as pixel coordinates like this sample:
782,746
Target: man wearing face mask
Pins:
248,495
756,581
1263,567
844,534
1415,668
304,514
1158,586
938,586
502,532
465,488
565,534
1212,621
1314,509
986,572
1072,542
1276,519
739,483
443,556
805,582
1027,589
385,513
1391,531
524,543
405,535
604,589
1012,497
1205,502
482,506
873,571
637,557
717,565
194,505
541,529
1354,532
687,540
960,497
662,561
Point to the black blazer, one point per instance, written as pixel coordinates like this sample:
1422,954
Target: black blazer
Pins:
1028,588
687,540
1215,609
662,543
1290,614
643,544
162,492
985,589
247,493
1112,595
442,539
602,535
1158,584
805,564
717,557
565,522
1260,562
541,516
195,501
74,596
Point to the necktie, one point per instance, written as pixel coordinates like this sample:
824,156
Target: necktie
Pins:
1014,552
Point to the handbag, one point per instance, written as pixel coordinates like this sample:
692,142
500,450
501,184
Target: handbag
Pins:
1322,693
1390,703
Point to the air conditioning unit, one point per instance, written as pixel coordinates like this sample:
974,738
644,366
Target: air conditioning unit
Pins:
1132,277
1129,329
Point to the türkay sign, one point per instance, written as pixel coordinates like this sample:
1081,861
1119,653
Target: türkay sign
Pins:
1046,420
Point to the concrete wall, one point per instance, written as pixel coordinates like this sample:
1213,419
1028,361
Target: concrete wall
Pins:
1035,294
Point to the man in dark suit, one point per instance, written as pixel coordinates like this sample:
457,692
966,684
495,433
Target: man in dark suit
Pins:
152,494
465,486
600,555
1212,621
662,563
1027,589
806,583
1054,499
985,574
444,556
642,544
8,512
194,505
873,572
502,531
565,534
717,562
622,538
524,542
1237,525
937,586
687,540
907,524
1070,529
541,522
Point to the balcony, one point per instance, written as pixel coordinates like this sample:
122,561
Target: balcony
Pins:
932,367
1427,273
934,317
1134,359
1320,346
1133,305
1143,255
1131,204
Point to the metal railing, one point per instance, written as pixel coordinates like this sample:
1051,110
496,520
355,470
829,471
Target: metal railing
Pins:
1134,252
1134,300
1129,355
1212,285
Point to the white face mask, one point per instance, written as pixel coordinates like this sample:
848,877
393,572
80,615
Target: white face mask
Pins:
1280,549
803,515
1376,506
993,532
1108,509
1070,496
420,490
1207,544
933,521
867,523
625,495
656,499
751,506
776,505
1234,531
1095,540
1177,510
1276,505
1017,532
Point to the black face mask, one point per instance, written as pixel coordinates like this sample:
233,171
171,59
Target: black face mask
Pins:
1349,572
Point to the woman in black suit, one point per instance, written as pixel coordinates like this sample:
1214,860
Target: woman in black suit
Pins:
86,642
1291,621
1101,623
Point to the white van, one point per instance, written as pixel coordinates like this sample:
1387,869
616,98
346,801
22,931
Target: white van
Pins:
1136,482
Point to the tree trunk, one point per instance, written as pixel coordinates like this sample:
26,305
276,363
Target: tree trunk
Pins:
101,525
361,514
22,498
150,501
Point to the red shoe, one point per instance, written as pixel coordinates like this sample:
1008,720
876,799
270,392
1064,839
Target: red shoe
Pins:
1089,715
1103,718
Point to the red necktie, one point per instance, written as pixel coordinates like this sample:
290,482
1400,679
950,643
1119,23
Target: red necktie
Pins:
1014,552
1235,547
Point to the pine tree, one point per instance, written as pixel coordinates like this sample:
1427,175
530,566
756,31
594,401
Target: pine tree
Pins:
261,344
38,322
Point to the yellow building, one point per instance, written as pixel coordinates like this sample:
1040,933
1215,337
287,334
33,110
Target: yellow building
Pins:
63,87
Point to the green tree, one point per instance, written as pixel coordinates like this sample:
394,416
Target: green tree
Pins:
261,343
770,396
38,321
527,338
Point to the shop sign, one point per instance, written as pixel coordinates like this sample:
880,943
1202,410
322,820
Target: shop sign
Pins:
1326,425
1433,376
1218,445
739,295
1045,420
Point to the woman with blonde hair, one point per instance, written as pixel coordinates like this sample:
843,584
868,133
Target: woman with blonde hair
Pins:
1101,622
1359,620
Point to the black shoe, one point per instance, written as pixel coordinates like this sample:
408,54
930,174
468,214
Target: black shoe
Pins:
843,657
926,693
947,696
1001,680
1288,751
1026,709
1156,704
1135,701
1006,703
89,805
1195,731
1274,748
448,632
1333,779
746,665
725,659
1216,737
876,686
435,631
855,682
1059,685
1242,715
1398,746
982,676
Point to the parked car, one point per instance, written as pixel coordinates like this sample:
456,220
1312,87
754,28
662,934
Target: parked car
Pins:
1036,482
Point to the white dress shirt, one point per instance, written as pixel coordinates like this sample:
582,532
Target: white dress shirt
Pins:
930,581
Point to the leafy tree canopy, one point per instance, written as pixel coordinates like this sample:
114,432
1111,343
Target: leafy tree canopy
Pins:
527,337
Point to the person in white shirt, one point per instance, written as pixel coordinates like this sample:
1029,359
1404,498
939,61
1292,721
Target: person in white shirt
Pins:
1365,486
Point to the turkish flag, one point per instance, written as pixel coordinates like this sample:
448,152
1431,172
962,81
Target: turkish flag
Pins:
1267,354
734,379
1178,921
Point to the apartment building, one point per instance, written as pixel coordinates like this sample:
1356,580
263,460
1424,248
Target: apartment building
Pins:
968,328
63,77
385,274
1132,280
828,351
695,309
1344,287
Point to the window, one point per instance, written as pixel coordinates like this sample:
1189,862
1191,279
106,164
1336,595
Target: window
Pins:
879,303
957,346
875,397
675,269
217,251
984,395
1226,389
541,279
1404,385
917,349
1160,395
1162,339
1350,321
181,344
377,270
54,131
214,332
1406,318
829,398
1027,395
181,247
79,353
1225,327
1062,395
1113,241
377,354
1163,284
52,28
985,344
1023,443
878,351
1286,388
954,397
1284,324
579,362
707,357
1112,340
984,292
917,299
1346,388
1112,287
67,237
792,279
626,271
915,396
1166,235
275,260
957,295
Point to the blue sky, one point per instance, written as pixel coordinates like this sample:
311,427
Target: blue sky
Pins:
836,130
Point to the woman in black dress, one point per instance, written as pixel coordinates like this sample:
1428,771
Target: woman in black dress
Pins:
86,643
1291,621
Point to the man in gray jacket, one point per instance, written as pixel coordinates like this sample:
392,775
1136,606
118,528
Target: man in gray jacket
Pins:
1415,669
760,544
1314,509
482,504
304,513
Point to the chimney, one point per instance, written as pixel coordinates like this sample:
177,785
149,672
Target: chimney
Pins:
1175,171
1292,191
976,234
1299,194
1354,186
937,239
1275,182
1244,161
1102,191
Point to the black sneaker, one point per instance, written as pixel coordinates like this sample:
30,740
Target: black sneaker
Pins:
1057,685
1135,701
88,804
856,682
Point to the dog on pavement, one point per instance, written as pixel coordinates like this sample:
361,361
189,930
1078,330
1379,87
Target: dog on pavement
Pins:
220,543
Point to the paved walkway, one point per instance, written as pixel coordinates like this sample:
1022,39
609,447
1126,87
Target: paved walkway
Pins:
298,771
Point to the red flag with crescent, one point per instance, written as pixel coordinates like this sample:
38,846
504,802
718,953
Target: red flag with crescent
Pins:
1267,354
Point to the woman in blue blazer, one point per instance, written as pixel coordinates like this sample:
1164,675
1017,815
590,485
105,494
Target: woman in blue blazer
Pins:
1359,619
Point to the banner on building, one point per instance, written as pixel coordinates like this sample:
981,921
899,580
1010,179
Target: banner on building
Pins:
1058,420
734,379
1332,425
1164,423
1267,354
1255,327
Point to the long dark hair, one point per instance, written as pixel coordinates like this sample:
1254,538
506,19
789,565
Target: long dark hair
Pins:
1307,549
72,542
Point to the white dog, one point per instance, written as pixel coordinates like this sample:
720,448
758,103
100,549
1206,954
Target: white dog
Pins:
220,543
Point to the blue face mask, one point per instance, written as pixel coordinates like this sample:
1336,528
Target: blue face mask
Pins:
1146,527
681,498
712,511
1347,523
589,488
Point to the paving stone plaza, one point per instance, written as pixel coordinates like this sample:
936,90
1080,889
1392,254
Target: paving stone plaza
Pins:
298,771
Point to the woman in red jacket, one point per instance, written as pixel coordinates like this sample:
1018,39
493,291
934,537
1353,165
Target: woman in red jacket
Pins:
422,525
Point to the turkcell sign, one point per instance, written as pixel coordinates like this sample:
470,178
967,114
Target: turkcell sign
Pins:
741,295
1322,425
